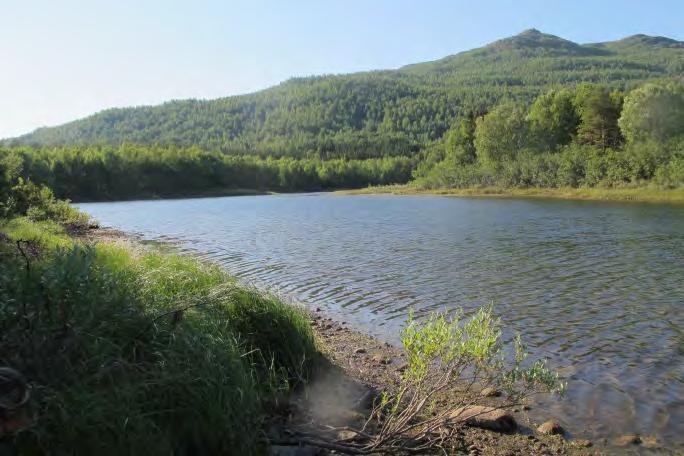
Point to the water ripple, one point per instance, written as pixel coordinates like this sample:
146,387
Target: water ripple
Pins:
598,288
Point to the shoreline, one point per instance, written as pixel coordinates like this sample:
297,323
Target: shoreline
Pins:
354,365
634,195
378,365
619,195
214,193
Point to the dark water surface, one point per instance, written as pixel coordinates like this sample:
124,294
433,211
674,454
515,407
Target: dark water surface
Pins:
596,287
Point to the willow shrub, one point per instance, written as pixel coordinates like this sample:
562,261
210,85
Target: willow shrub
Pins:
451,358
133,352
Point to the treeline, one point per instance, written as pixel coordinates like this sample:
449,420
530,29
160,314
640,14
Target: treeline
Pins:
587,136
129,171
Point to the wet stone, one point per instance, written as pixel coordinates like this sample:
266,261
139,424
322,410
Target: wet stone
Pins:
490,392
551,428
583,443
379,359
482,417
627,440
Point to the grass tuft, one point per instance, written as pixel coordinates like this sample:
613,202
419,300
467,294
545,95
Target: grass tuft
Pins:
133,352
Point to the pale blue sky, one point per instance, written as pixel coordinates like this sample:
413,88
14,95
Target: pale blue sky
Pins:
65,59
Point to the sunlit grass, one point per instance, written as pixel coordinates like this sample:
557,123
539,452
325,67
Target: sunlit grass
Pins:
47,234
638,194
134,352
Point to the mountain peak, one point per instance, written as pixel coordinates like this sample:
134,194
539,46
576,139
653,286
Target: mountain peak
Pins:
384,109
530,32
640,42
533,40
651,41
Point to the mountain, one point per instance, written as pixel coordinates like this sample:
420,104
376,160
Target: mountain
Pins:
642,42
377,113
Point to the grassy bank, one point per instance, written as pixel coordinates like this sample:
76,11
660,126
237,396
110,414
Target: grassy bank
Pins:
636,194
132,351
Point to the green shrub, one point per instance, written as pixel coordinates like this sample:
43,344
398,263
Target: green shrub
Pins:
671,174
451,358
38,203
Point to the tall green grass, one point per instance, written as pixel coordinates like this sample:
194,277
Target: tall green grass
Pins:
132,351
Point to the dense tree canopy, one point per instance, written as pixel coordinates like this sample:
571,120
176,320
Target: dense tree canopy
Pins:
553,119
460,140
599,111
530,110
107,172
654,111
380,113
500,134
569,138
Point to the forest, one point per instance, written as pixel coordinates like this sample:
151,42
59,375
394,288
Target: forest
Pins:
377,113
587,136
533,110
112,335
582,137
97,173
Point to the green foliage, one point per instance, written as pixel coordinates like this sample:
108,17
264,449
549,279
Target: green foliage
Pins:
450,360
46,234
501,133
599,112
553,120
653,111
573,166
544,96
460,141
379,113
140,352
671,174
38,203
19,196
105,173
568,139
450,343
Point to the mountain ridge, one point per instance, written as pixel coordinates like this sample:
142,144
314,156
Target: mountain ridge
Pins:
375,113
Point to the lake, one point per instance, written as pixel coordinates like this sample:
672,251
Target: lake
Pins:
595,287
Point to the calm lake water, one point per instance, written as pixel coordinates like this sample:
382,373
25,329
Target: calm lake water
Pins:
597,288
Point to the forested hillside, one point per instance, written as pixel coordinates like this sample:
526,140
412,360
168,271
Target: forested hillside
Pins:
381,113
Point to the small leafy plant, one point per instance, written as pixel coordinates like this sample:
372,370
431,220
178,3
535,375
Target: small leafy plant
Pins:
451,360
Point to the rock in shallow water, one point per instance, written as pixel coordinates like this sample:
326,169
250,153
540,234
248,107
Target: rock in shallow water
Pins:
582,443
490,392
486,418
650,442
379,359
627,440
551,428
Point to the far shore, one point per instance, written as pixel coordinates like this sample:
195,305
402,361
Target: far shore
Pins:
630,194
211,193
